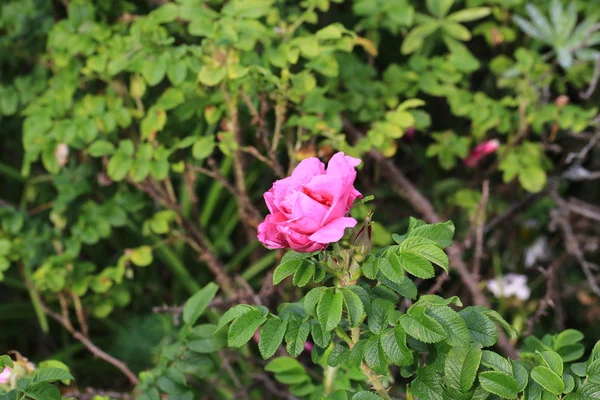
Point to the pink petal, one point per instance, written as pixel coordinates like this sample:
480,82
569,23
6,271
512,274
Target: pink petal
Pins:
307,169
333,231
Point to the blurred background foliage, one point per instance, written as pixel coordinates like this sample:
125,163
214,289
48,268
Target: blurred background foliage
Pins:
137,138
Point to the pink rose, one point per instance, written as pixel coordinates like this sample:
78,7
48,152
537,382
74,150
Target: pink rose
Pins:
5,375
309,208
480,151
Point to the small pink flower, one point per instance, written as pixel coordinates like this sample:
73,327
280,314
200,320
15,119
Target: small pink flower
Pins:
5,375
480,151
308,209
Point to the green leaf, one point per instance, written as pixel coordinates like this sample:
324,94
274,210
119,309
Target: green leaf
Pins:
364,395
422,327
481,328
312,298
533,179
142,256
196,305
101,148
6,361
322,339
439,8
271,336
283,364
285,269
414,40
552,361
456,30
295,337
202,339
378,318
203,147
233,313
354,307
177,72
12,395
500,384
494,316
549,380
243,327
470,14
461,366
211,75
456,329
370,267
425,248
441,233
390,267
42,391
170,99
374,355
567,337
394,345
416,265
329,310
154,69
304,274
51,375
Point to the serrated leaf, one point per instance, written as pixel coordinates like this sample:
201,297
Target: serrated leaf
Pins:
329,309
51,375
425,248
364,395
457,333
391,268
233,313
339,354
481,328
499,383
552,360
312,298
304,274
393,342
322,339
285,269
271,336
416,265
422,327
494,316
374,355
461,366
196,305
520,374
42,391
202,339
497,362
378,319
549,380
354,307
428,385
242,328
441,233
295,337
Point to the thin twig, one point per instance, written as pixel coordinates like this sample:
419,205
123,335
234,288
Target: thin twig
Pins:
91,394
120,365
548,300
561,217
479,222
593,83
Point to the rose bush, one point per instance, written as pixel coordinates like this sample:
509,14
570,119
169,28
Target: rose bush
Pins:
308,210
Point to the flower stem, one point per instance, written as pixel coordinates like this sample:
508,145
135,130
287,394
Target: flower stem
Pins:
374,381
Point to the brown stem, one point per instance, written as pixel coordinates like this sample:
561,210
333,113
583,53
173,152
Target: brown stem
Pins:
480,222
91,346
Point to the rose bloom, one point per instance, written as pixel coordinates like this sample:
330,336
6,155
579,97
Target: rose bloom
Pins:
480,151
5,375
309,209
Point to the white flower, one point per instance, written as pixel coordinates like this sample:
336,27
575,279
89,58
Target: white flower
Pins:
62,154
510,285
538,251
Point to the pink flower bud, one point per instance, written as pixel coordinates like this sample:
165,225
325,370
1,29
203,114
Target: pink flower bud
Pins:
5,375
480,151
